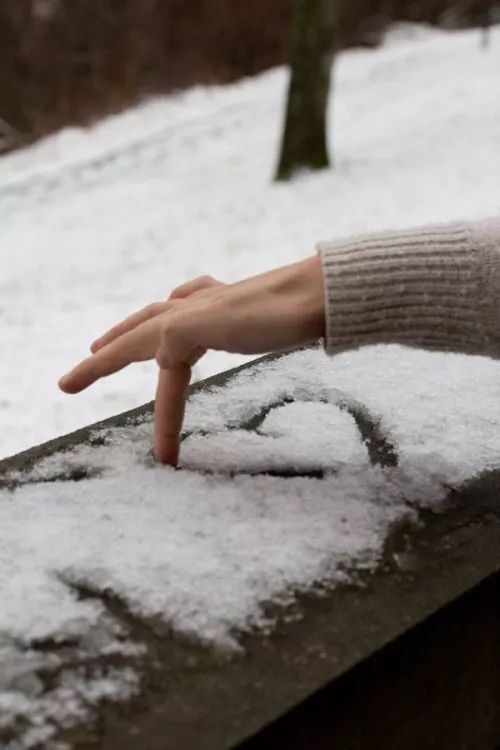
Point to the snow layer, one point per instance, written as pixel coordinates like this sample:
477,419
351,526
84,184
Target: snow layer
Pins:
96,223
206,551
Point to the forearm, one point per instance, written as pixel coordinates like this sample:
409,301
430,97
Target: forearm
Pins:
436,287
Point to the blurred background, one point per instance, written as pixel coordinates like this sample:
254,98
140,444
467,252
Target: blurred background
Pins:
69,61
144,142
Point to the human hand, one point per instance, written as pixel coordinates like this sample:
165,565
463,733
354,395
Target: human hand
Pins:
277,310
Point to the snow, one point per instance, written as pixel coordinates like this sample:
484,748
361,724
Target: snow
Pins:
97,223
205,548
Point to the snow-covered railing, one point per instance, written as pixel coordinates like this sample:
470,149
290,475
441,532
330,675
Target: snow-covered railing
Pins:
312,576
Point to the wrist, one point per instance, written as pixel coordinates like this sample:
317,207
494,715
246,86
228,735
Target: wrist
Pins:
311,296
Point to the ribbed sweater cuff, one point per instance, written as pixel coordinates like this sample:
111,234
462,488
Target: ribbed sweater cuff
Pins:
435,287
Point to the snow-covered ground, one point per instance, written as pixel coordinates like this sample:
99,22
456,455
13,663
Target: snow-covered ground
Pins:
96,223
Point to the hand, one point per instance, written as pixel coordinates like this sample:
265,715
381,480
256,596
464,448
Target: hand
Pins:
277,310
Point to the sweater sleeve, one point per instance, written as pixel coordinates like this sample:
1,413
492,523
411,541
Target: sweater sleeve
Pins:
436,287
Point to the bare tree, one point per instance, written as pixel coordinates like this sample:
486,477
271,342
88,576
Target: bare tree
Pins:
304,142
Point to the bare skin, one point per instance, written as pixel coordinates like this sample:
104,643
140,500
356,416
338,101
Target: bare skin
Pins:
274,311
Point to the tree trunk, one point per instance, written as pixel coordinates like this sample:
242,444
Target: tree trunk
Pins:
304,144
486,21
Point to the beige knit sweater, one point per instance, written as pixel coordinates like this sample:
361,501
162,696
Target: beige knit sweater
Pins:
436,287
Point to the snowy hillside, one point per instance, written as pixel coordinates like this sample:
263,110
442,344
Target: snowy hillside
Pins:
94,224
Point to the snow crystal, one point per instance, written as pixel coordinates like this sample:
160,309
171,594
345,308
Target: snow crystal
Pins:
204,551
33,719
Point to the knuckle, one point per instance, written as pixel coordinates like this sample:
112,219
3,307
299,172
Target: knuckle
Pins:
201,282
155,307
212,282
169,325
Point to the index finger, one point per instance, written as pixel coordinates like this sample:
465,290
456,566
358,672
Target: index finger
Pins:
135,346
170,405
